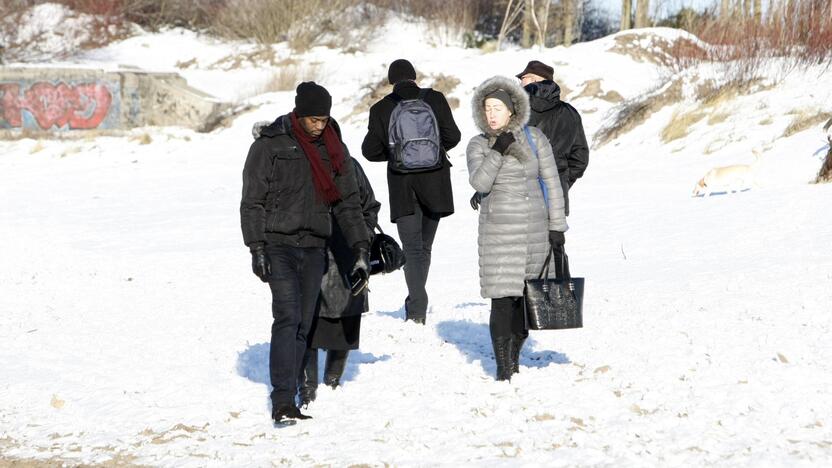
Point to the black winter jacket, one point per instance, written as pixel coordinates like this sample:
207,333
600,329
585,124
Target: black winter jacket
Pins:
336,300
561,123
431,189
280,205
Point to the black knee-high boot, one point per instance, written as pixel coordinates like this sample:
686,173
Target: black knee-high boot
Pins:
309,377
501,335
336,361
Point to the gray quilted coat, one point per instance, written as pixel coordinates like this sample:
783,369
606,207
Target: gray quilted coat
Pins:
514,219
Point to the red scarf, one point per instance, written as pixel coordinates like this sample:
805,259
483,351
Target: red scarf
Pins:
324,185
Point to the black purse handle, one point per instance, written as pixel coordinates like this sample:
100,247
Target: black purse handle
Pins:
564,265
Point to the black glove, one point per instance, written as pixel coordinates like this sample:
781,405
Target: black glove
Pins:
476,200
504,140
260,263
360,273
556,239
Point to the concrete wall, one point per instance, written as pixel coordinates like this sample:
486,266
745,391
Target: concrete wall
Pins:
64,99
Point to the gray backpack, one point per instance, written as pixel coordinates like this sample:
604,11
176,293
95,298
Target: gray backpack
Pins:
414,136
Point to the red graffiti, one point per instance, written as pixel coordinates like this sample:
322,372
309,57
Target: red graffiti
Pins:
81,106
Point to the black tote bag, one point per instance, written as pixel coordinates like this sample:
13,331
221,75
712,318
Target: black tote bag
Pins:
554,304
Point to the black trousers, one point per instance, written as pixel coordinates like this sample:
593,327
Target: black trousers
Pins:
295,283
417,232
507,318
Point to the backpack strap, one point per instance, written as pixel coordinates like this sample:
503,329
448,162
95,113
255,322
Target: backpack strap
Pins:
531,140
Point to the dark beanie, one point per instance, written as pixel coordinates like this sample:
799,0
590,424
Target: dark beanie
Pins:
400,70
502,95
312,99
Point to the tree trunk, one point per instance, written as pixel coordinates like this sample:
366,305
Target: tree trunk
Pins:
642,13
758,11
568,21
626,14
724,10
528,11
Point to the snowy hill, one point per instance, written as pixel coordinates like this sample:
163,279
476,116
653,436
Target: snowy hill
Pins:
133,330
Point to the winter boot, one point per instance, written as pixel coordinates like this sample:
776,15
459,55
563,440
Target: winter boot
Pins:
502,354
517,342
285,415
309,378
336,361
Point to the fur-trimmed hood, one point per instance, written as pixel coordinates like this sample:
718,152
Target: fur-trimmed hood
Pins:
518,97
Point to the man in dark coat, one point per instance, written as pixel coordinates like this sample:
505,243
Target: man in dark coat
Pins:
417,200
336,327
559,121
297,174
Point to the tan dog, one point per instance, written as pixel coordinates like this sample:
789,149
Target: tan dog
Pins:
728,178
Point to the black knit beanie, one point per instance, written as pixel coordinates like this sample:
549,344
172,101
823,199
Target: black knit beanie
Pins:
502,95
312,99
400,70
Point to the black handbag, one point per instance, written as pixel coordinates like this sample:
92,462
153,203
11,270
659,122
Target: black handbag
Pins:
554,304
385,254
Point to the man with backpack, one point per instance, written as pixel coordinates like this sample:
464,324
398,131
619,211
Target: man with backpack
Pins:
412,129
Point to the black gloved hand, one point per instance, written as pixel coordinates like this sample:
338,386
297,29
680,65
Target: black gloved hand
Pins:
260,263
556,239
504,140
360,273
476,200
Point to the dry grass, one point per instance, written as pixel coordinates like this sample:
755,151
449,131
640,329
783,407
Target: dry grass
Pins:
37,148
718,118
804,120
143,138
592,88
633,113
287,77
680,124
766,121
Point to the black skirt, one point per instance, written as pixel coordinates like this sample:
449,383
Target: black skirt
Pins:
337,334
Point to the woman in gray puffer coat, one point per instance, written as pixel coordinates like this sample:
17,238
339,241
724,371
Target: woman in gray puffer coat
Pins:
516,227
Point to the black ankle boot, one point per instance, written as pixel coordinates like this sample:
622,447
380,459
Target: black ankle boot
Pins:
336,361
309,378
502,354
287,414
517,342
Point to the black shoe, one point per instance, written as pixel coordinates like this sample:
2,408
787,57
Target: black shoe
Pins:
502,354
287,415
309,378
336,361
417,320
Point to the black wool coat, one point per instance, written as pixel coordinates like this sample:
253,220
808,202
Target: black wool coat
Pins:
280,205
336,300
431,189
561,123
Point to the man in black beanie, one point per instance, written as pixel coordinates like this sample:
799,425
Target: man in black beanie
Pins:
297,174
417,200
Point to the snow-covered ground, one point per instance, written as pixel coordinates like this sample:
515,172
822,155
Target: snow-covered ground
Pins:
132,328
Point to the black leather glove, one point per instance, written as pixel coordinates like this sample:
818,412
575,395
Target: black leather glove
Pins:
504,140
476,200
360,273
557,239
260,263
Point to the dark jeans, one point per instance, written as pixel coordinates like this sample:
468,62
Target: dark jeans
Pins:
416,232
295,284
507,318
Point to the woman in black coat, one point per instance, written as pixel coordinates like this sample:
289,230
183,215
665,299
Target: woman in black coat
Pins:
337,322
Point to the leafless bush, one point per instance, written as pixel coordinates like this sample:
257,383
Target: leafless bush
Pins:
636,111
825,173
449,20
800,33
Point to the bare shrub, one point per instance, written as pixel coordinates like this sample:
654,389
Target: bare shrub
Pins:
636,111
805,120
287,77
799,33
825,173
451,21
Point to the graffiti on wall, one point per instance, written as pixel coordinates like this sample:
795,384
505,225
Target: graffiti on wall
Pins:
47,105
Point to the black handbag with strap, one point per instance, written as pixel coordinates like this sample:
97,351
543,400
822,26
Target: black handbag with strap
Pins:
386,255
554,303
